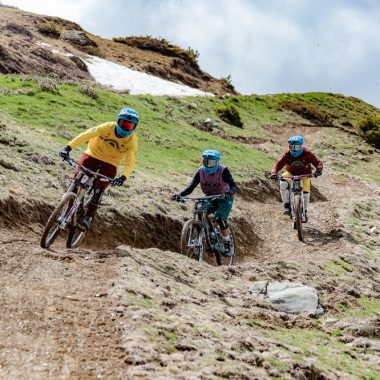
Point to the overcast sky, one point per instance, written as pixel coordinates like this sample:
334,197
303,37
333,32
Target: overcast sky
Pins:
267,46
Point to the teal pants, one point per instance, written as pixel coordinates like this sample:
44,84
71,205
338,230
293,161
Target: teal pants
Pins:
221,208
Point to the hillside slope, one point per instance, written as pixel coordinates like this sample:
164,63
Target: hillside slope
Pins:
30,44
108,312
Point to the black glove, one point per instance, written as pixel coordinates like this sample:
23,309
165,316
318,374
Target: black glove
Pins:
317,172
176,197
65,152
273,176
118,181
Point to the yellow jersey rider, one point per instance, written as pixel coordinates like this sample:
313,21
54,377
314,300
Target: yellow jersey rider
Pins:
297,161
108,145
215,178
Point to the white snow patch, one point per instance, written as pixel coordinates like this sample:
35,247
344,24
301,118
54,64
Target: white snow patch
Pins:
122,78
55,51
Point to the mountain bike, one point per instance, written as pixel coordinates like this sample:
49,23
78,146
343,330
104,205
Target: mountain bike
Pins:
297,202
72,208
201,235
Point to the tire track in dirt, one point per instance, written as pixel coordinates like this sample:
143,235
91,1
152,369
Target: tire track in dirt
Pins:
55,319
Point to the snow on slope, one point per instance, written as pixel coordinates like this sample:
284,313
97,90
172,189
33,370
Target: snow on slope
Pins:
122,78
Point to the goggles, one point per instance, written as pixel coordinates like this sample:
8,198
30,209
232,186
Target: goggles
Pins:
126,125
210,163
295,147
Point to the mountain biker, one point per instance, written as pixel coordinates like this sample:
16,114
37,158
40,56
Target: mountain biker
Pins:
108,144
215,178
297,161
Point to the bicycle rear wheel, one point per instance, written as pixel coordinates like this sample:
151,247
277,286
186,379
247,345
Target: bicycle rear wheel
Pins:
298,212
225,260
57,217
192,241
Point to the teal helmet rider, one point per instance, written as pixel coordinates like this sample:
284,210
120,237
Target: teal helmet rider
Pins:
296,147
210,161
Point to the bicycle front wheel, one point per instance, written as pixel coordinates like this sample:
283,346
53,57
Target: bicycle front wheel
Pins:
192,240
53,226
75,236
298,212
220,258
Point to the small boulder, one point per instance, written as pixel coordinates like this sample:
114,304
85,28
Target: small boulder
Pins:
289,297
78,37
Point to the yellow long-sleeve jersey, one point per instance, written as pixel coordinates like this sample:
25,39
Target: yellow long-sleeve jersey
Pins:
104,145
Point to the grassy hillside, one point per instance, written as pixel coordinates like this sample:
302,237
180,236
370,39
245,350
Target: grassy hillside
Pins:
169,144
38,116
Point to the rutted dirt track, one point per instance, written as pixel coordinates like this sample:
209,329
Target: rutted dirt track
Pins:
62,311
102,312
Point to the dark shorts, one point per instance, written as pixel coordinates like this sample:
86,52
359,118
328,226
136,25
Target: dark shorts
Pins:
221,207
98,166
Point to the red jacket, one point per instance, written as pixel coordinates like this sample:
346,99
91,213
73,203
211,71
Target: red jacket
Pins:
298,165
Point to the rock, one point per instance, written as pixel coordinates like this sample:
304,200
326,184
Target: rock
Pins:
360,327
330,321
123,251
289,297
78,37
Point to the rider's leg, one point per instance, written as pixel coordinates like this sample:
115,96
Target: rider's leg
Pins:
99,187
221,215
285,195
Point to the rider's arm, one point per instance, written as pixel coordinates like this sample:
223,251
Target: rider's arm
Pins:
193,184
130,158
280,163
86,135
227,177
316,161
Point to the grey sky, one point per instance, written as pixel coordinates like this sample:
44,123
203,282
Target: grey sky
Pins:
268,46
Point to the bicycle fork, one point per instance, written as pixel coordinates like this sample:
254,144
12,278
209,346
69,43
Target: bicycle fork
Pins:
65,219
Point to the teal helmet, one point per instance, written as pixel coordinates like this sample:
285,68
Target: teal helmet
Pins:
296,147
210,161
130,115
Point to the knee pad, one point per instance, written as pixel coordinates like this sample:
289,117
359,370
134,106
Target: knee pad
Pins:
284,185
221,222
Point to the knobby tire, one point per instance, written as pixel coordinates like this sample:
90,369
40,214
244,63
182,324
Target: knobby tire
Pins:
196,253
298,212
52,227
223,260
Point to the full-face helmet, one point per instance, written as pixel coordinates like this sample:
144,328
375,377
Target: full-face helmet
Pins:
127,121
210,161
296,147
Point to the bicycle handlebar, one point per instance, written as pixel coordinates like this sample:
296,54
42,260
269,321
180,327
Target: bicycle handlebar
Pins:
103,177
216,196
281,178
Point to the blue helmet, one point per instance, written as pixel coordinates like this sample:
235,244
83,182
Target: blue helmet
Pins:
210,161
296,147
128,114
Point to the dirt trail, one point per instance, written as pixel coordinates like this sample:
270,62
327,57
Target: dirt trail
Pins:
61,319
55,320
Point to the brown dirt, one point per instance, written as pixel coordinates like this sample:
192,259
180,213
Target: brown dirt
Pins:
102,312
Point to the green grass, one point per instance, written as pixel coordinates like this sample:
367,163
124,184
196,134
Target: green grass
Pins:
369,307
339,266
169,145
327,350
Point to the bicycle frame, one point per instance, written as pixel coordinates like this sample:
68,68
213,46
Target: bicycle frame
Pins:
207,232
80,186
65,214
296,196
